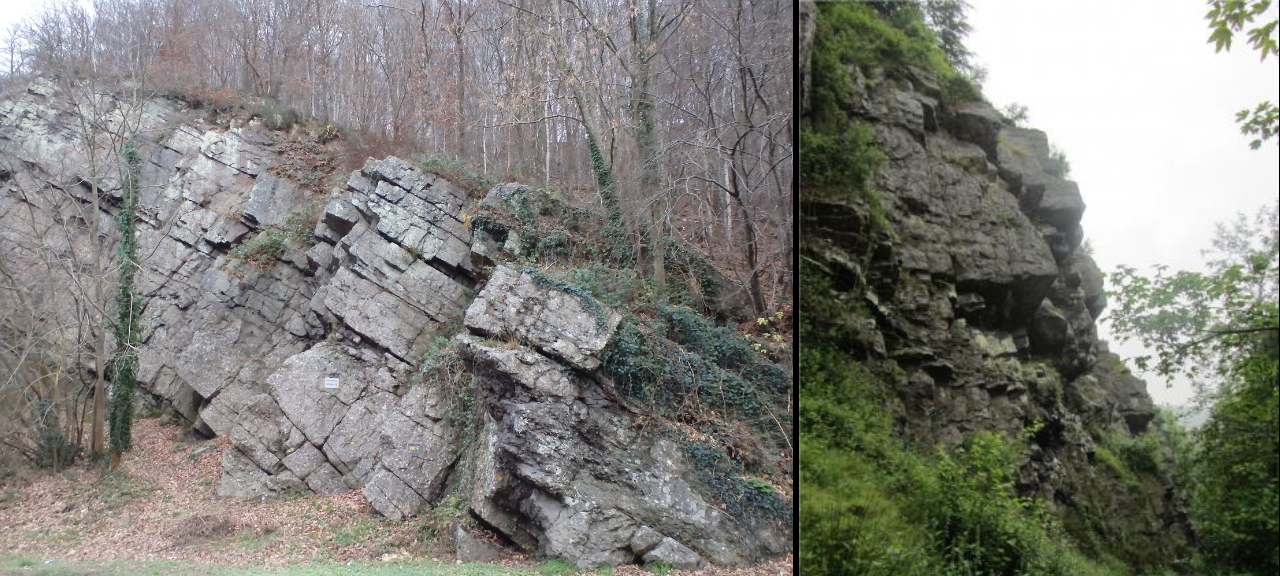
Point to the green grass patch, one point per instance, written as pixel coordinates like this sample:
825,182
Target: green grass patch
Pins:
557,567
659,568
37,567
270,243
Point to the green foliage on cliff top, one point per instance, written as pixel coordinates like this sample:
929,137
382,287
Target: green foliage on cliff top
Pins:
887,35
837,152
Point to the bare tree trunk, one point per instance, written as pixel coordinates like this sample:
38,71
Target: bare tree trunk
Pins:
644,33
749,232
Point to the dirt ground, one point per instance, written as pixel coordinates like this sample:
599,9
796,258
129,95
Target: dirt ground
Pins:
161,506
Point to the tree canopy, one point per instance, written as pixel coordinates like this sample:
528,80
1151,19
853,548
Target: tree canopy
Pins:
1204,323
1226,19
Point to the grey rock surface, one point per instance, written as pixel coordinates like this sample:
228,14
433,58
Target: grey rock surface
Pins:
572,328
968,279
318,366
675,555
469,548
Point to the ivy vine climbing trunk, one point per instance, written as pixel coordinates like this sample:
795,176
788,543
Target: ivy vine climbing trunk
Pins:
644,36
608,192
123,368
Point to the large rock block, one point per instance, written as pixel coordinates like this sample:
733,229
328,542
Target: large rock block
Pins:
1061,204
571,327
979,123
271,201
523,365
299,387
388,321
675,555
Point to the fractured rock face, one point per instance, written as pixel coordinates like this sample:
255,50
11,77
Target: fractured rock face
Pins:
315,365
592,487
573,328
971,290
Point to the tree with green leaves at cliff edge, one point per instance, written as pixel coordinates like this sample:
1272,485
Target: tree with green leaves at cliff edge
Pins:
1226,19
1221,328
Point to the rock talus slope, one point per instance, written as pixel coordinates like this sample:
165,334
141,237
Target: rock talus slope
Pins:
317,365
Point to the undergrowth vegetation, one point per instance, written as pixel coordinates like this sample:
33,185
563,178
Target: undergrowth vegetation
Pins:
271,242
673,359
869,505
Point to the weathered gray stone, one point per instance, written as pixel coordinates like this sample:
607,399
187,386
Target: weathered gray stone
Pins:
286,482
570,327
1061,205
325,480
469,548
1049,330
271,201
320,257
1019,153
979,123
224,232
382,317
341,216
241,476
1095,296
298,387
263,432
304,460
353,445
205,363
644,540
391,497
420,456
230,149
525,366
676,555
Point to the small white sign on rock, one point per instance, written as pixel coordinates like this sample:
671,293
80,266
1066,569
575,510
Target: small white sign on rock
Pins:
331,381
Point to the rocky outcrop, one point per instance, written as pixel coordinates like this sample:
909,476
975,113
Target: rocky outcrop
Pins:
306,327
972,285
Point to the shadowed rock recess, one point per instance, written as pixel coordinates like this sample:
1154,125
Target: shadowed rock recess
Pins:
961,271
319,365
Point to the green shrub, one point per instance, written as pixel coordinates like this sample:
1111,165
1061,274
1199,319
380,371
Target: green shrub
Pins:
712,363
464,175
870,505
275,114
1142,453
271,242
1115,464
721,474
845,157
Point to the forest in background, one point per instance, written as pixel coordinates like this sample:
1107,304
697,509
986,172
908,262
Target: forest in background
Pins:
674,116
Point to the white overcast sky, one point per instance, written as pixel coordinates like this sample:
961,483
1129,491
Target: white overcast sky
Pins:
1144,109
13,10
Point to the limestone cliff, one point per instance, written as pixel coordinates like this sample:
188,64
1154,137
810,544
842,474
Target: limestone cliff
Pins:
366,337
961,268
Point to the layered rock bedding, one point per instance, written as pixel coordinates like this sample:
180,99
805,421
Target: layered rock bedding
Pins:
367,338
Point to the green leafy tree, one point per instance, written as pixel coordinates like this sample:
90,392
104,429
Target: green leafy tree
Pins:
1221,326
1226,19
949,21
1203,324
